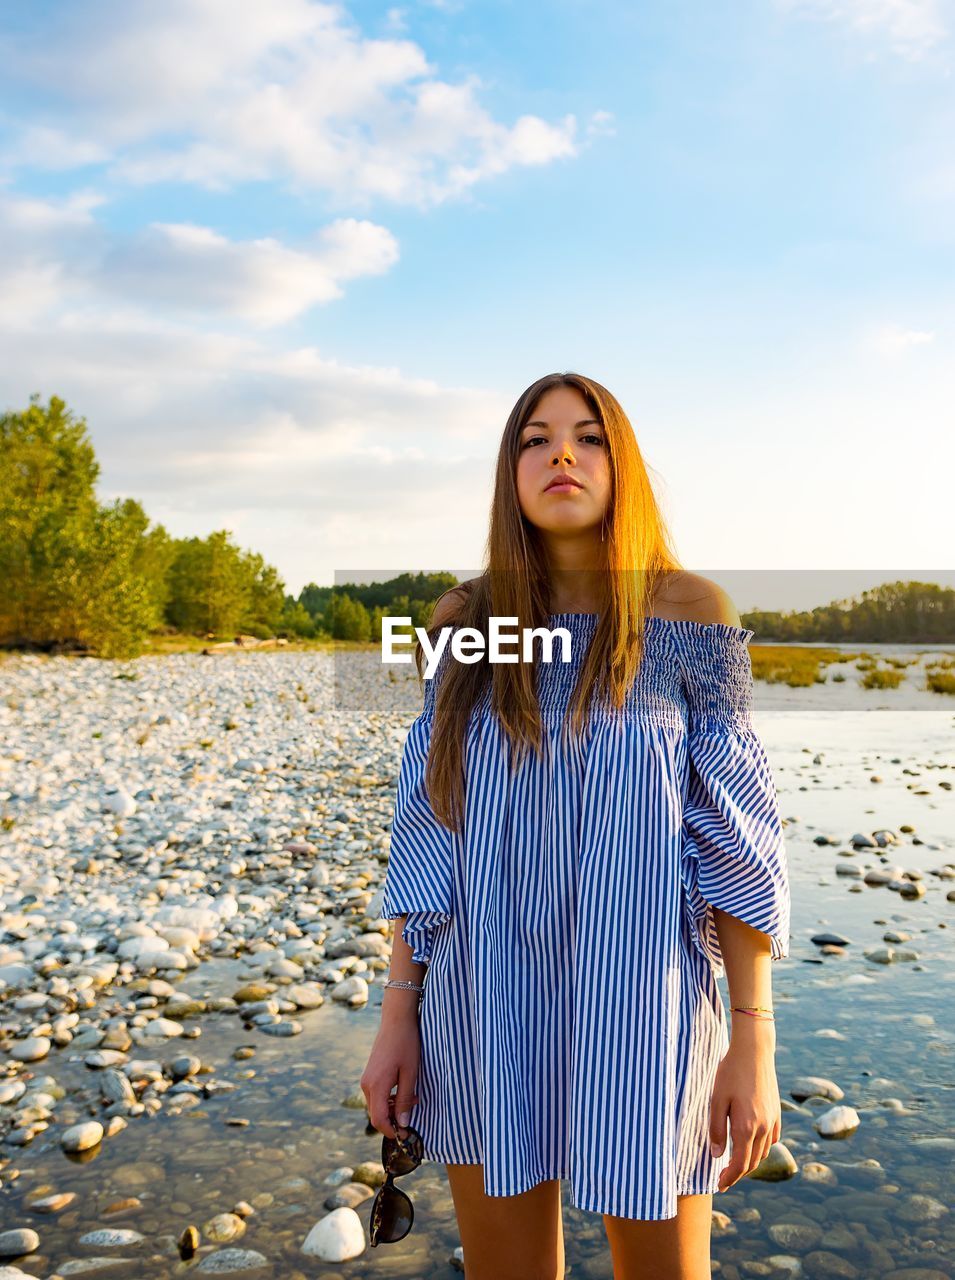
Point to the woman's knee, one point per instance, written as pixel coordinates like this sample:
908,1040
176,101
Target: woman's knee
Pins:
675,1248
517,1237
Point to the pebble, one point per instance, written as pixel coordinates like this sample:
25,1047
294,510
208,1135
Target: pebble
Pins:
96,1266
81,1137
223,1228
140,855
352,990
777,1165
112,1237
227,1262
815,1087
19,1241
31,1049
336,1237
837,1122
52,1204
798,1237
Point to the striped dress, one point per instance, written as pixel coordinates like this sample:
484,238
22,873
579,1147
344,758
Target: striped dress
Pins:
571,1024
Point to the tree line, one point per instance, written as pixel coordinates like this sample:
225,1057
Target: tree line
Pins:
76,573
892,613
100,577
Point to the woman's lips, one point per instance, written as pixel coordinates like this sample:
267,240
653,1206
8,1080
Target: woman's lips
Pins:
563,487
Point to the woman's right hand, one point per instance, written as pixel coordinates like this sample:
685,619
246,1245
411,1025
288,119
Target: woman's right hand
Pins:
394,1060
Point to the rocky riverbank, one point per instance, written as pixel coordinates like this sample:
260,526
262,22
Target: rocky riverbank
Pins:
190,954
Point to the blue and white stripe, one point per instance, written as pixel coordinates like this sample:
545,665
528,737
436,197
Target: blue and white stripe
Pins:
572,1024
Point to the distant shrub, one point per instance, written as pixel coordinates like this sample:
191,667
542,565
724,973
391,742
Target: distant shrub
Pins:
882,678
940,681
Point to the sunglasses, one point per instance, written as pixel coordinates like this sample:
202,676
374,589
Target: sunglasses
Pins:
392,1212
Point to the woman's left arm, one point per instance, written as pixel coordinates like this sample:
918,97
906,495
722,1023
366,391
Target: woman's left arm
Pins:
745,1092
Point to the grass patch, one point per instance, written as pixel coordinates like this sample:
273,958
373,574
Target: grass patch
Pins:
940,681
882,678
792,665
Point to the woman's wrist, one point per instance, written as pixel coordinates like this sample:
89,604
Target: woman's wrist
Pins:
400,1004
752,1031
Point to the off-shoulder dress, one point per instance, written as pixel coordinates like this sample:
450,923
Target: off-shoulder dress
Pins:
572,1024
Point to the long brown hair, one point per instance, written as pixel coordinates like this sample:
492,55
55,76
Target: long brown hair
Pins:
515,583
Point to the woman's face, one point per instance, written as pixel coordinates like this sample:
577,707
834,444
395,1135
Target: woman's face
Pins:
562,438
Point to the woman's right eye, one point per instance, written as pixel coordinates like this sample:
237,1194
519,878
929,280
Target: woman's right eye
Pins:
530,440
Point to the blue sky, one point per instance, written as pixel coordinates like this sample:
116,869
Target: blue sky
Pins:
295,270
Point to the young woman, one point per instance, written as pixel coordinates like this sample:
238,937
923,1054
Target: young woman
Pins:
578,852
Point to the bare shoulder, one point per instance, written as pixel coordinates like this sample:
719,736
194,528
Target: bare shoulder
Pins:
689,597
447,608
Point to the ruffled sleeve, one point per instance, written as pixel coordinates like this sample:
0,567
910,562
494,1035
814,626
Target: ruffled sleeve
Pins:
733,852
418,877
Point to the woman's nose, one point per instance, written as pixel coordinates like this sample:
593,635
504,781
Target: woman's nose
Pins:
564,453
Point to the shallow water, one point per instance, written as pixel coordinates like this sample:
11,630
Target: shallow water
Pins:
884,1033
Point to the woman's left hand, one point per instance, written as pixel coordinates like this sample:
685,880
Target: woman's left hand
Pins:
746,1094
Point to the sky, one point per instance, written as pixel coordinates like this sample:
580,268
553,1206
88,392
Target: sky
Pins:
294,262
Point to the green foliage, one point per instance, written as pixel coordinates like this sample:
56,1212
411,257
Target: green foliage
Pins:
71,570
901,612
216,588
407,595
99,577
347,619
296,620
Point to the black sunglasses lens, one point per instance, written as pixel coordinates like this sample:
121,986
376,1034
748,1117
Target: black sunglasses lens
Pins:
391,1215
405,1158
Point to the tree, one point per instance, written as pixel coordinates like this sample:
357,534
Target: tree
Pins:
70,569
208,585
266,595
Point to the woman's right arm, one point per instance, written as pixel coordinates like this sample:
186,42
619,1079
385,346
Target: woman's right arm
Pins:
418,878
396,1052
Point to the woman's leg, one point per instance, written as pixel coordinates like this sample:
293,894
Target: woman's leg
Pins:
670,1249
517,1237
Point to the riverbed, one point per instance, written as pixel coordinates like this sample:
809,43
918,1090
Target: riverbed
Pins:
178,832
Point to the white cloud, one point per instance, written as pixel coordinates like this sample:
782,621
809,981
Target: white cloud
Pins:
261,281
315,463
54,256
395,19
911,27
185,92
213,429
892,339
601,124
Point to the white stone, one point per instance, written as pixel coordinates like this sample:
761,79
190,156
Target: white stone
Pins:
31,1049
353,990
837,1122
82,1137
120,802
112,1237
162,1028
132,948
336,1237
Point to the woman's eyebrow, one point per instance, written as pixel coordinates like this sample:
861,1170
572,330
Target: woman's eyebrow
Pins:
584,422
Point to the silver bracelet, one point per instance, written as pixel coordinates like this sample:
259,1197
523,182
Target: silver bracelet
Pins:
410,986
